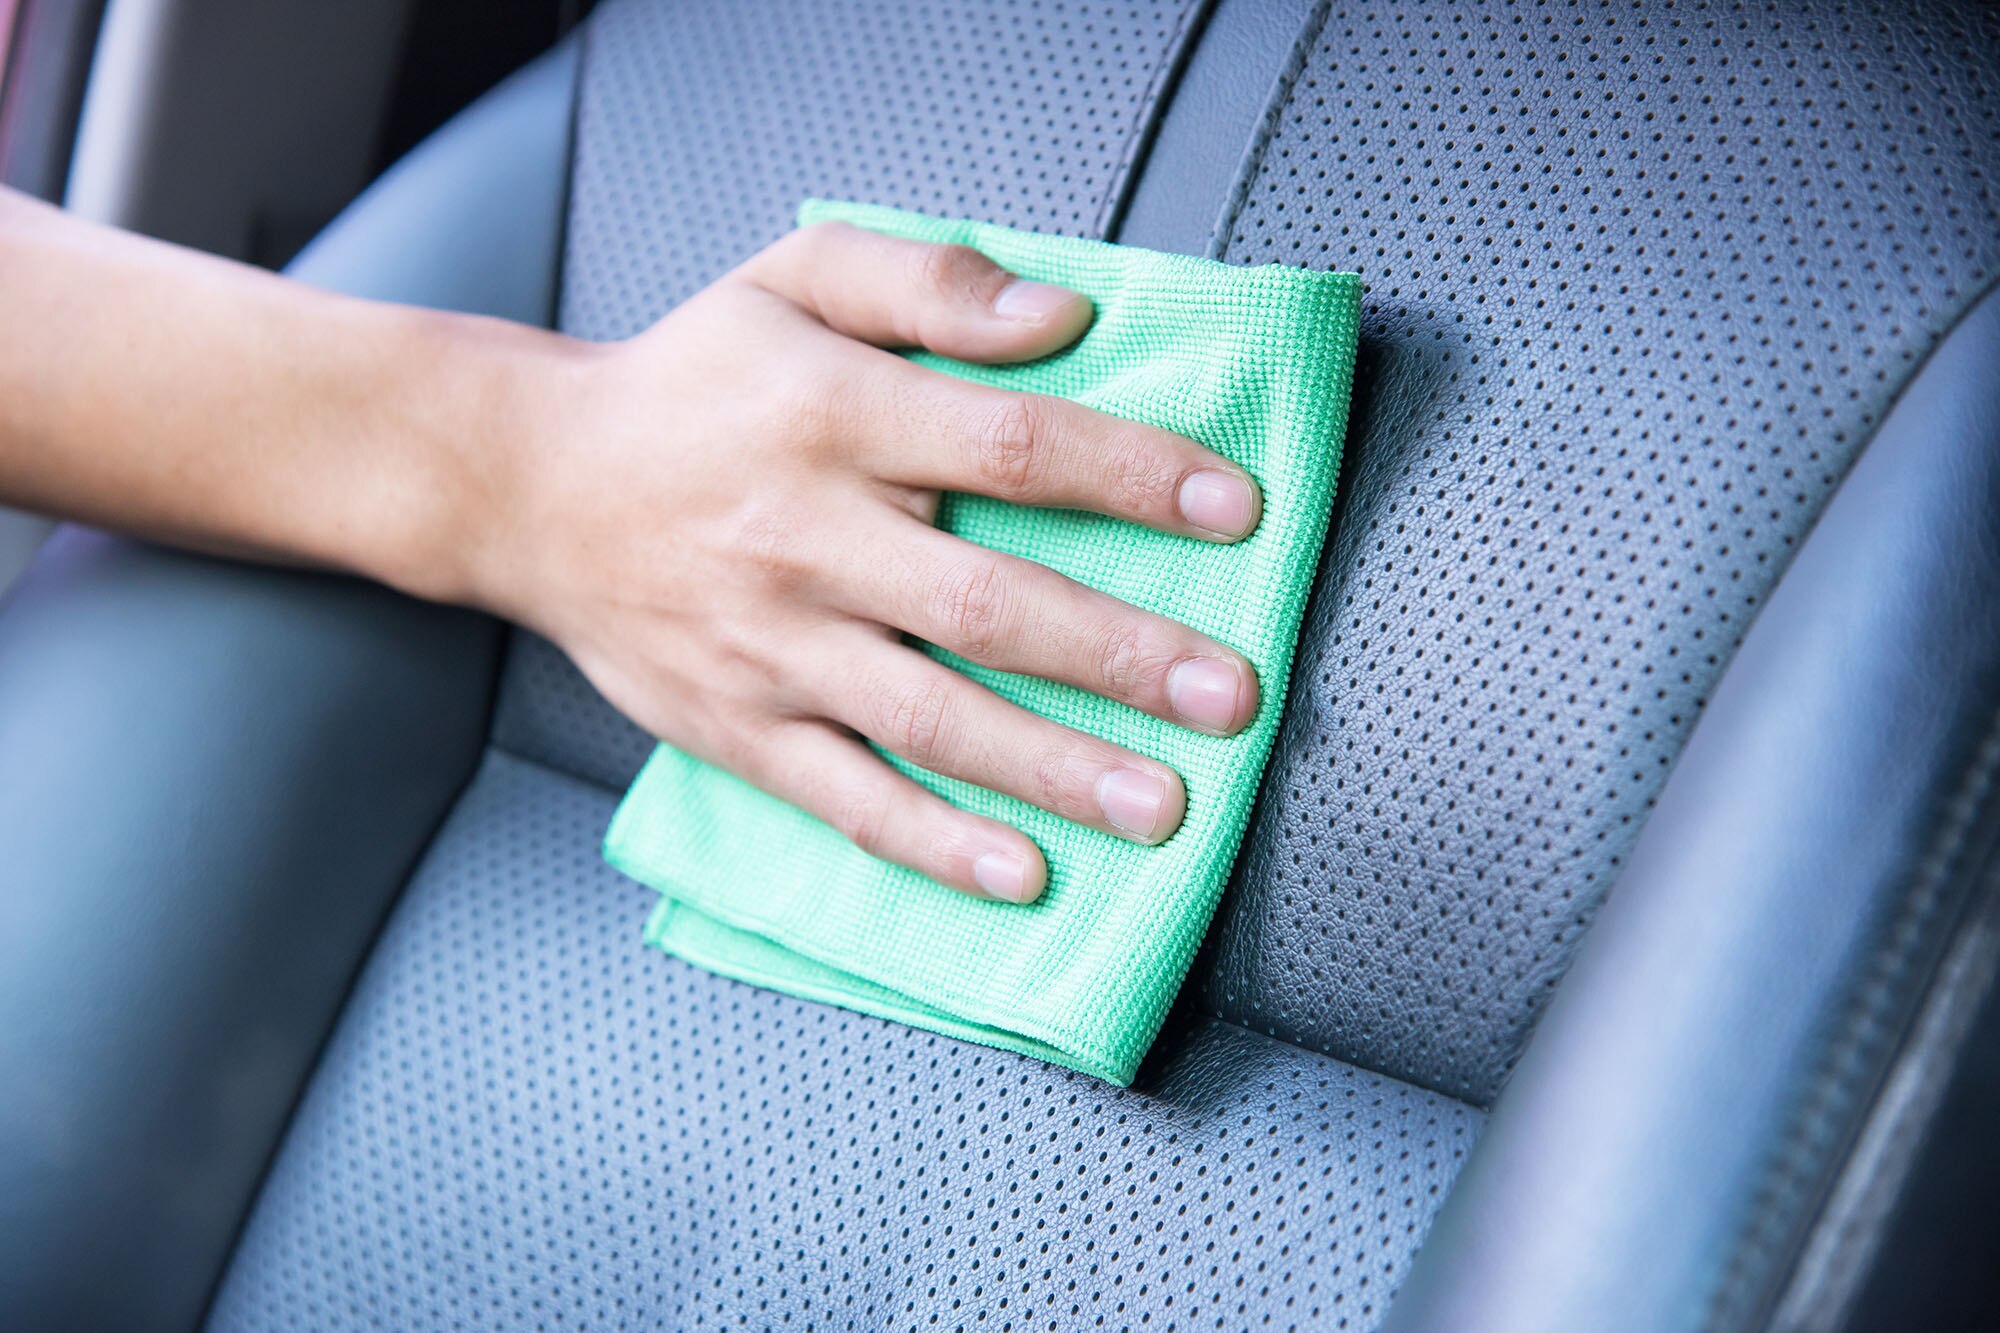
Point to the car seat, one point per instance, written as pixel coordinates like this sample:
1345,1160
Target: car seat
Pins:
1619,902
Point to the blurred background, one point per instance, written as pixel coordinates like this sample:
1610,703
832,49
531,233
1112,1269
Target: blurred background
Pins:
237,126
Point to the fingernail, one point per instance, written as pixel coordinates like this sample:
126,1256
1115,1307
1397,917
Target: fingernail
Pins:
1002,875
1031,302
1206,692
1133,802
1219,502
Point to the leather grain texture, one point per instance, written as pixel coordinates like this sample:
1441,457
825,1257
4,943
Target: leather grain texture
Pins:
527,1120
1640,284
1689,1096
214,781
703,125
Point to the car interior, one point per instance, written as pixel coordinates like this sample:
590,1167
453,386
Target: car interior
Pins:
1613,945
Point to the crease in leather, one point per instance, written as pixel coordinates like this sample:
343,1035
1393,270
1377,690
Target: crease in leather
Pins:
1224,230
1152,109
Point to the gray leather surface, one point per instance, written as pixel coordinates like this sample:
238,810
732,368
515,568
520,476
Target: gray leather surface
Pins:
702,125
527,1120
1227,84
472,218
1916,1246
214,780
1679,1113
1639,291
1639,287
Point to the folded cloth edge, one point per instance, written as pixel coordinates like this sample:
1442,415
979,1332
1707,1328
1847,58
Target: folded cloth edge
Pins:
695,934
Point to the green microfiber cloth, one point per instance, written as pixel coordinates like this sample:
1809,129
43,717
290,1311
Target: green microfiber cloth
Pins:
1256,364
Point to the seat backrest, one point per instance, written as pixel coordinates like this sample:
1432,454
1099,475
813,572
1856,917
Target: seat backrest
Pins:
1641,284
1640,287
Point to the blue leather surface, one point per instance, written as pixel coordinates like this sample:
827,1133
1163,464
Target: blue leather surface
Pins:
1680,1109
214,781
526,1117
1635,298
527,1120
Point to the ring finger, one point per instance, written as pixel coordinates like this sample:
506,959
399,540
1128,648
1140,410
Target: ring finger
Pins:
939,720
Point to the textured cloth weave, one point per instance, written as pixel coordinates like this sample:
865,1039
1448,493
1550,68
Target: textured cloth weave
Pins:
1255,363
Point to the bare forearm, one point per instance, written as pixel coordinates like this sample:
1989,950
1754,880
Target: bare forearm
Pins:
198,401
724,520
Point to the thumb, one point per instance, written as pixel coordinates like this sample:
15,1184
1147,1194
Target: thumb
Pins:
894,292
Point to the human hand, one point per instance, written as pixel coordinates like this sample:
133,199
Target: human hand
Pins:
726,522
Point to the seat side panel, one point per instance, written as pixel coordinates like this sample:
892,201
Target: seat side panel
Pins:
214,780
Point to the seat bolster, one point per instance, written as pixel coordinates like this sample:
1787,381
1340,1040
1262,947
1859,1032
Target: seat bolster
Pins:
472,218
1663,1149
214,781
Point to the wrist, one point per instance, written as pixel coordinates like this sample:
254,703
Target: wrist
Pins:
478,462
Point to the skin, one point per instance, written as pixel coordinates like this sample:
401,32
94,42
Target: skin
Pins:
726,521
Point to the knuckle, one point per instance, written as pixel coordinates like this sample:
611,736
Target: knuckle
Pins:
955,272
1058,781
802,391
1142,477
971,606
767,540
915,723
818,412
741,748
860,815
1129,664
1007,446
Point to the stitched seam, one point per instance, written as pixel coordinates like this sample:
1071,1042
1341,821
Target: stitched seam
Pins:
1946,1020
1223,234
1794,1167
1152,110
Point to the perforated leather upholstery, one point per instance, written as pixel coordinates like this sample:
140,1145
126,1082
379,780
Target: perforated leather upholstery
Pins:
785,1162
526,1119
1642,285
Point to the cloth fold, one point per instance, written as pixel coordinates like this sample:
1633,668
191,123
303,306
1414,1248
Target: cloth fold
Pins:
1255,363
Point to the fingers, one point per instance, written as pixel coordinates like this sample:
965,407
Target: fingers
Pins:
837,779
941,721
901,293
1015,615
939,433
